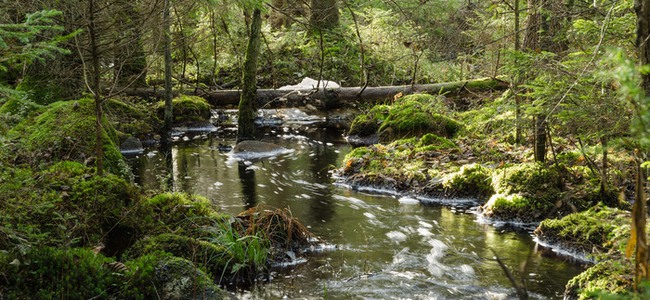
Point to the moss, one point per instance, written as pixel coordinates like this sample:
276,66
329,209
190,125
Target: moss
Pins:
415,115
470,180
611,276
516,207
132,118
216,259
188,109
528,178
592,232
177,212
368,124
61,132
19,106
160,275
48,273
432,142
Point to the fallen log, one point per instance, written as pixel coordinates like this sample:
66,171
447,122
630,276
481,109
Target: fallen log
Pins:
329,98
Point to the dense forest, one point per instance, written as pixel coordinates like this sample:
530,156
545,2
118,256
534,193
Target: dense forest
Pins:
536,109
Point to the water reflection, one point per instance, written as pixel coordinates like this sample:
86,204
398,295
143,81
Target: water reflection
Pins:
248,188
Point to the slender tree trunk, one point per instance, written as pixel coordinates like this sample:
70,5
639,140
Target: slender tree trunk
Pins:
540,138
246,120
94,53
603,169
169,117
642,10
515,82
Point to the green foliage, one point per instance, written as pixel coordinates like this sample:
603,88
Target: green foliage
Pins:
627,74
21,40
178,211
131,117
533,179
188,109
368,124
49,273
248,254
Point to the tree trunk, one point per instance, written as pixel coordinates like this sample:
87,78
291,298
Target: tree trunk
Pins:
169,117
94,52
515,83
540,138
324,14
247,109
642,10
603,169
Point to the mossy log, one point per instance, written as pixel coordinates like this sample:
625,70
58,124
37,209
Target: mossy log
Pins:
330,98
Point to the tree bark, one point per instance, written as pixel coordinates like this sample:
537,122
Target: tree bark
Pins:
331,98
540,138
324,14
169,117
642,10
247,107
94,53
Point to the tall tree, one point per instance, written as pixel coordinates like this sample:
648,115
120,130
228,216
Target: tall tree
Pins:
246,119
95,87
642,10
168,68
324,14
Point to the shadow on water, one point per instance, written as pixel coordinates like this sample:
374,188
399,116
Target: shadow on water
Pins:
378,247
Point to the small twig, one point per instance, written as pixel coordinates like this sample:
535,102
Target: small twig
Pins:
521,290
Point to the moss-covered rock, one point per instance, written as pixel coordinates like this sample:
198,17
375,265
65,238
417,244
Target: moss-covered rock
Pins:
415,115
590,233
525,193
188,110
160,275
215,259
368,124
178,212
65,131
471,180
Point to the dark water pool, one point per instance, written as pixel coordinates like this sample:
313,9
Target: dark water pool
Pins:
379,247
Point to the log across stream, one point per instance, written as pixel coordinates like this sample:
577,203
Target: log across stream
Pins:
328,98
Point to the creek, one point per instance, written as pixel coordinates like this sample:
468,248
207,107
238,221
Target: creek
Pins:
377,246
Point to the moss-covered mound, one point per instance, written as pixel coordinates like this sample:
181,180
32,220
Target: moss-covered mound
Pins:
399,165
592,232
608,277
472,180
525,193
187,110
132,118
410,116
65,204
163,276
65,131
19,106
416,115
368,124
177,212
214,258
81,273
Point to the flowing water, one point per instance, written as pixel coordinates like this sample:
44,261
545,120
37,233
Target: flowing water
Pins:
378,246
